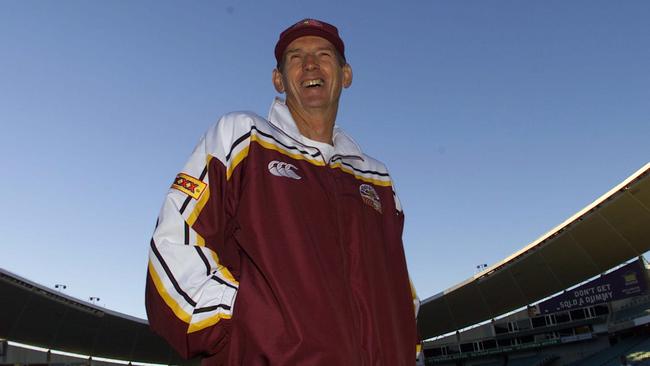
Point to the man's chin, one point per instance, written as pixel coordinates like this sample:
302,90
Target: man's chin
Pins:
314,102
311,102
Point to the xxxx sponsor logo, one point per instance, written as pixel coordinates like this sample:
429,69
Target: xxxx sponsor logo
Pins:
189,185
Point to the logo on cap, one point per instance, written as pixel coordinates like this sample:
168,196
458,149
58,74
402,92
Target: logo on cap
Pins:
311,22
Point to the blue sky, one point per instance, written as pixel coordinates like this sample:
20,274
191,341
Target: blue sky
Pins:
498,120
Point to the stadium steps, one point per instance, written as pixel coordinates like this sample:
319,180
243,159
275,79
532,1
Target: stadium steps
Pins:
611,356
639,355
493,363
632,313
537,360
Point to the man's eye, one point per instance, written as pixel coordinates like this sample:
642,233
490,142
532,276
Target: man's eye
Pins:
294,56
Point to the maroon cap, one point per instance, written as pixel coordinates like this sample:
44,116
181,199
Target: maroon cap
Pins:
309,27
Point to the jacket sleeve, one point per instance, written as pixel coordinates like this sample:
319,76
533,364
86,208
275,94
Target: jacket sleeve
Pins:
419,355
190,293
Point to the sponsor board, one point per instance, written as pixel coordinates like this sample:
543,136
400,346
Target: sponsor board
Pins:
621,283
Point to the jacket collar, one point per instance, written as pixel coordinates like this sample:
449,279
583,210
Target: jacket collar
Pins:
280,116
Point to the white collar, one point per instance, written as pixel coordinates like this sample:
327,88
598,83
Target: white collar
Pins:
280,116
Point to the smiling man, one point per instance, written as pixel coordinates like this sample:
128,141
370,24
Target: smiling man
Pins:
279,242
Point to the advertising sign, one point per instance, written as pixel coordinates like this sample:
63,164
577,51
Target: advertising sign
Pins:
621,283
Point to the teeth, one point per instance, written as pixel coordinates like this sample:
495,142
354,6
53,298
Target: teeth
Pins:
315,82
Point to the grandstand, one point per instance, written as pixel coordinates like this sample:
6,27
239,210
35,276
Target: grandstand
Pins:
35,315
592,324
577,296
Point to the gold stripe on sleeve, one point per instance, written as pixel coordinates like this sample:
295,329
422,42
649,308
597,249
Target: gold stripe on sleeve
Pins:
194,215
173,305
195,327
224,270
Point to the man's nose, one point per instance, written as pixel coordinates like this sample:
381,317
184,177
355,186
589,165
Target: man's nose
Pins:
310,62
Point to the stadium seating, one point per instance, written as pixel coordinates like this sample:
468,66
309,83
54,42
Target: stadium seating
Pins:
493,363
636,311
640,354
536,360
611,356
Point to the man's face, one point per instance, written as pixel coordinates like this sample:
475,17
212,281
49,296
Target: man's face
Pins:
312,76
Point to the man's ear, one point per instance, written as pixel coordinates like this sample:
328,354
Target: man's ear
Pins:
277,81
347,75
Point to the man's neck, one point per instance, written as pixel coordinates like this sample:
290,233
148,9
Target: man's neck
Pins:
315,125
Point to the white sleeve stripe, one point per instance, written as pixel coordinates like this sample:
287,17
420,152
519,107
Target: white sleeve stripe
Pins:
170,276
178,293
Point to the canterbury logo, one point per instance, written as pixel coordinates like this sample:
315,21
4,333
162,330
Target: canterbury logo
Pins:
281,169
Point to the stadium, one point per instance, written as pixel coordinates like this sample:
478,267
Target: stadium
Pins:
576,296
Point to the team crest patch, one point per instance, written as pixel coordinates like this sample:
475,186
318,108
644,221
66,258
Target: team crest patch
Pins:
370,196
189,185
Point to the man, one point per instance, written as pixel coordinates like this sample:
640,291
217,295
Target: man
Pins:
279,243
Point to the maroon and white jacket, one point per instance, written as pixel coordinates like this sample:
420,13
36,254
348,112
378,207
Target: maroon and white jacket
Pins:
266,253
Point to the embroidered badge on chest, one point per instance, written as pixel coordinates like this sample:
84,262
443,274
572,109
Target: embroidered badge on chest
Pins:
282,169
370,196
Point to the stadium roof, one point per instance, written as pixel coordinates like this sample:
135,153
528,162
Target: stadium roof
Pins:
611,230
36,315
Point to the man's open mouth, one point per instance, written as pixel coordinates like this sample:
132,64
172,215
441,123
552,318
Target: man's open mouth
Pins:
315,83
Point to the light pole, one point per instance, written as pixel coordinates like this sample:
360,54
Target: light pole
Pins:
60,287
94,299
481,267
